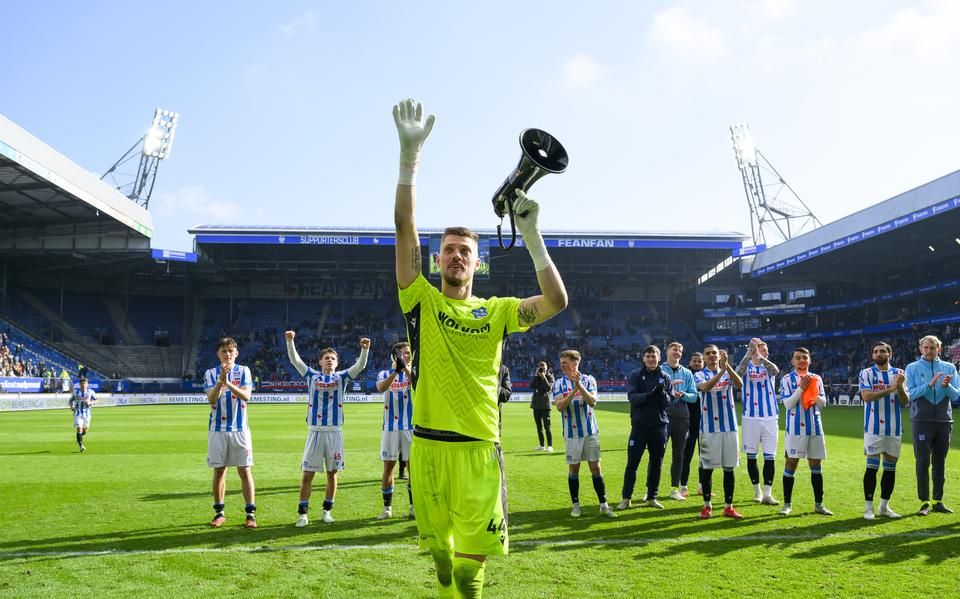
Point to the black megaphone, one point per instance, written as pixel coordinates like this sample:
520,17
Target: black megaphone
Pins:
542,154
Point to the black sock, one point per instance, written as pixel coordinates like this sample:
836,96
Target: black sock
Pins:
250,508
706,481
303,507
753,470
409,493
574,483
768,471
218,508
600,488
816,479
787,487
870,483
387,496
887,481
327,504
79,438
728,482
83,434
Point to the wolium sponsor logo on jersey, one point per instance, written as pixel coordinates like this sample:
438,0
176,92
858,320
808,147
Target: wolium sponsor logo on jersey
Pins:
451,323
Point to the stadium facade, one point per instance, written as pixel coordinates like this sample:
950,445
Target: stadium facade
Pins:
81,283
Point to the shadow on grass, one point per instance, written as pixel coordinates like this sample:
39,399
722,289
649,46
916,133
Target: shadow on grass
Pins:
670,533
293,488
199,536
799,539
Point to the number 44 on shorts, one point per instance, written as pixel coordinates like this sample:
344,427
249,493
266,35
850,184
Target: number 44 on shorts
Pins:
500,529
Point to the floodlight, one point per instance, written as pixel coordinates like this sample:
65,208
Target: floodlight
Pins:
159,139
743,144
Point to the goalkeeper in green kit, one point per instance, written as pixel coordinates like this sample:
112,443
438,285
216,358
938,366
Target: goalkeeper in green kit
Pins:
456,343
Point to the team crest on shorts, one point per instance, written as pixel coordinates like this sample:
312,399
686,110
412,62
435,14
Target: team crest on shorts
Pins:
479,312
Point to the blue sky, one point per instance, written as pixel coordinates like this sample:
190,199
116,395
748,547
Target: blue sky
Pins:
285,107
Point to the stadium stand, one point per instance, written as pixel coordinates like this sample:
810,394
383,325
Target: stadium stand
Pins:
80,284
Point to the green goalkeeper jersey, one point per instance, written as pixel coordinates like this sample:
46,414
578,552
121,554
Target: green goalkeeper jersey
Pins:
456,347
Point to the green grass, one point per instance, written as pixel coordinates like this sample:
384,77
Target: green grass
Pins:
129,517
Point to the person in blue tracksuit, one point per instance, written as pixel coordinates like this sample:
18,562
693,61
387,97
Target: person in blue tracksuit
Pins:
684,395
932,386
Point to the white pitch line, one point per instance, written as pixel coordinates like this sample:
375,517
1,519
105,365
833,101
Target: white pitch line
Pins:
638,541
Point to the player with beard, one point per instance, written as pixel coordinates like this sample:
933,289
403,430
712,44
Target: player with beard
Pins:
456,342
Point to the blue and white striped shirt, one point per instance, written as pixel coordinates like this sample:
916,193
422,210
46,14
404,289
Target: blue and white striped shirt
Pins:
800,420
759,395
882,415
83,401
718,411
229,415
397,403
578,417
325,398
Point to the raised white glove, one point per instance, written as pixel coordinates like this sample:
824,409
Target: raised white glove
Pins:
529,228
412,129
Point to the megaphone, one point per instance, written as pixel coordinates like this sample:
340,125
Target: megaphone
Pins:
542,154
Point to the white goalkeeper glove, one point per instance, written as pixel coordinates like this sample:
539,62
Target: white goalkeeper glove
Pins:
413,129
529,228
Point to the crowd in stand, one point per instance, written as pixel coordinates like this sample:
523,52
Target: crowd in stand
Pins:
14,362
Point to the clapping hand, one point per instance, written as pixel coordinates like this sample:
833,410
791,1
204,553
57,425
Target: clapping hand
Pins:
398,364
936,378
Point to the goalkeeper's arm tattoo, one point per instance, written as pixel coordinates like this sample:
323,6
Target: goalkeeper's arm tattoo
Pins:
416,260
527,313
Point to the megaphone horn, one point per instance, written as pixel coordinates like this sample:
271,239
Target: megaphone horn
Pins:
542,154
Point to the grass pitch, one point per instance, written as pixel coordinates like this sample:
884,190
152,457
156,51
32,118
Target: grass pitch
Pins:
129,517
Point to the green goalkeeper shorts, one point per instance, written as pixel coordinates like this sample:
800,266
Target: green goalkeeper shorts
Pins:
460,496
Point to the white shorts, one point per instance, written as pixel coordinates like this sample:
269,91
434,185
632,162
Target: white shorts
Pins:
394,444
760,432
323,451
812,447
719,450
583,449
877,444
81,420
229,449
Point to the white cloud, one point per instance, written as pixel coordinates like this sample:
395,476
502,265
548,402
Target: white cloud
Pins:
194,200
305,22
688,37
776,10
926,33
581,72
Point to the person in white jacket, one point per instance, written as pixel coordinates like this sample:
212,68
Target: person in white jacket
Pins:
324,447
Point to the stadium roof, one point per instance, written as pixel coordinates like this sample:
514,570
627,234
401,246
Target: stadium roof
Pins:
365,250
899,232
50,204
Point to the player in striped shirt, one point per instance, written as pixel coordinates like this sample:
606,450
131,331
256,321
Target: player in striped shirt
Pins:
228,388
324,447
575,395
81,404
719,442
397,422
760,412
883,389
804,430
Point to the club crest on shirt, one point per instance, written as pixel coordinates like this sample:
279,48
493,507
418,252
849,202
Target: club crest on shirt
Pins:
479,312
